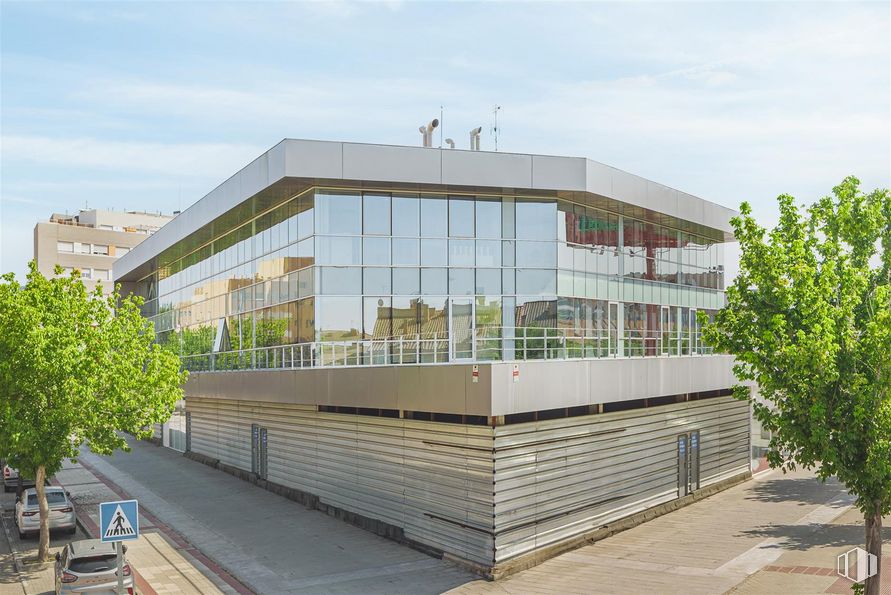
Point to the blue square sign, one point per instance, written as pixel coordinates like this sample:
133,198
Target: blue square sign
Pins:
119,521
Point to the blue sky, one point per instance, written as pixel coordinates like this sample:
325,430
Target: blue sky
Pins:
132,105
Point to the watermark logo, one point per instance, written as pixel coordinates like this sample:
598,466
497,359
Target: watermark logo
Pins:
857,565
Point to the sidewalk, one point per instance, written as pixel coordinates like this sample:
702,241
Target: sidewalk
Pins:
162,563
273,545
775,534
732,541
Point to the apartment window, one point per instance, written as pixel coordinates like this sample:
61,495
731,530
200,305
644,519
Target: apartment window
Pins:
65,246
100,249
82,248
121,250
86,273
103,274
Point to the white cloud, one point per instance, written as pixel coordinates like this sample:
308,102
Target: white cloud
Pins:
187,159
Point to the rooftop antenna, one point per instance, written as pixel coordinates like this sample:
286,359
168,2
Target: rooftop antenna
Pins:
495,111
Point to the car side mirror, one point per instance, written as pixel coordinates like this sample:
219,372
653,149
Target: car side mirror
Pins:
58,556
67,493
18,499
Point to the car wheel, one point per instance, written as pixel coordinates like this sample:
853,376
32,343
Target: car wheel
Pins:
22,535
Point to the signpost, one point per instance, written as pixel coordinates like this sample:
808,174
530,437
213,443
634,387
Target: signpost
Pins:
118,522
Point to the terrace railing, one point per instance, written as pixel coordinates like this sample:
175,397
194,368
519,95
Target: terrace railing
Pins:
463,346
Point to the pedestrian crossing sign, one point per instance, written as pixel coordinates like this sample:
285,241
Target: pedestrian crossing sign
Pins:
119,521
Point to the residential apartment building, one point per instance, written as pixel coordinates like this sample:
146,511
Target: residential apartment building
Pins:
91,241
491,356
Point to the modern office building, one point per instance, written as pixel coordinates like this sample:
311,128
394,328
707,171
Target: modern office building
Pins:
91,241
492,356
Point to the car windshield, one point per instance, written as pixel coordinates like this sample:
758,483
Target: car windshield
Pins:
93,564
51,498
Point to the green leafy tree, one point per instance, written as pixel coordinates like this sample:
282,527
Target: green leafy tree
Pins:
75,367
808,319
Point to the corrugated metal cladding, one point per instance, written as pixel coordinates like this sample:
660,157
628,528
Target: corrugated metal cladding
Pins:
553,480
432,479
561,478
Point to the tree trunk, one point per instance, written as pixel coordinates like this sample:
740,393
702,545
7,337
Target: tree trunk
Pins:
40,485
874,546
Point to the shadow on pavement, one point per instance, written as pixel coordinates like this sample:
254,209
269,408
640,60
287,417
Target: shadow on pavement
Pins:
804,537
788,489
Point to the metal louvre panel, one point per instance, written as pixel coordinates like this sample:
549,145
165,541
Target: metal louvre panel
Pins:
560,478
432,479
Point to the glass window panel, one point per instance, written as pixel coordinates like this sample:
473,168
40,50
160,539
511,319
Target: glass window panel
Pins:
536,219
406,281
565,283
507,280
305,217
406,213
376,251
293,287
461,217
338,213
306,315
461,282
338,318
536,254
488,217
376,281
434,217
405,316
405,251
434,281
461,253
305,251
536,312
566,256
334,250
508,255
376,214
488,253
341,280
488,281
305,282
433,320
536,281
66,246
434,252
376,318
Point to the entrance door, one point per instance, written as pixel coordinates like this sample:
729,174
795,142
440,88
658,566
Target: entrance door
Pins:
688,463
461,327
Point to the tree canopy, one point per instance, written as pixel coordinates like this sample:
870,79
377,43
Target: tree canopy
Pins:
76,367
808,319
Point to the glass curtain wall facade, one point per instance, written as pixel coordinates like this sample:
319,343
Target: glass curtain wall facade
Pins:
393,277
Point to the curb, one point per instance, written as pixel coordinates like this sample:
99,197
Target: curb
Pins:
86,524
178,541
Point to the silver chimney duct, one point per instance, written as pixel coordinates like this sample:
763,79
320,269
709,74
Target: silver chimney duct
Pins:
427,132
450,143
475,138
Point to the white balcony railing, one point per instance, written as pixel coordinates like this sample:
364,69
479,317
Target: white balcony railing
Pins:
463,346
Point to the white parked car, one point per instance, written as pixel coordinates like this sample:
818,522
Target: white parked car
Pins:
90,566
61,511
11,479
